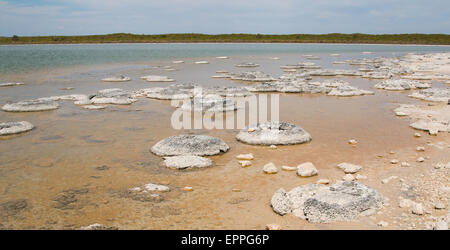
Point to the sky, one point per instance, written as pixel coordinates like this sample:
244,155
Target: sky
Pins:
84,17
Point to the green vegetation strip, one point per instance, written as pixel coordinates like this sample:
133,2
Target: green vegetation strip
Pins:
431,39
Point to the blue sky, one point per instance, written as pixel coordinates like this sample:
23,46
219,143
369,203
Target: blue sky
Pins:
82,17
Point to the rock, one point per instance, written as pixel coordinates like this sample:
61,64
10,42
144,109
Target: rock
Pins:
245,157
187,161
382,224
270,168
274,133
441,165
387,180
441,225
432,94
281,202
405,203
190,145
30,106
323,181
171,92
273,147
439,205
13,207
348,91
417,208
202,62
188,189
154,78
307,169
401,84
97,226
405,164
420,159
360,177
9,84
417,135
349,168
117,79
343,201
211,103
394,161
245,164
156,187
247,65
273,227
252,76
348,177
8,128
113,96
419,148
288,168
94,107
352,142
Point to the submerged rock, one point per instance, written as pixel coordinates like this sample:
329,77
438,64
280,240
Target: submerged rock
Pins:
247,65
401,84
13,207
8,128
252,76
172,92
9,84
212,103
274,133
343,201
154,78
190,145
31,106
187,161
117,79
113,96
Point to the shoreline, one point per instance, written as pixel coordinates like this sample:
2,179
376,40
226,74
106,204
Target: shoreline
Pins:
224,42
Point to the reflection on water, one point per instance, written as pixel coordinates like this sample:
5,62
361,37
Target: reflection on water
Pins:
75,167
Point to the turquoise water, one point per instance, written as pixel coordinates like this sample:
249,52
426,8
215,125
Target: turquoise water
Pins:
35,57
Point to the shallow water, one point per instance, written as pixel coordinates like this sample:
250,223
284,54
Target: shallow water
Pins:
68,144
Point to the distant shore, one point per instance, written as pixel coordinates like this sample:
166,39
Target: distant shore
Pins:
411,39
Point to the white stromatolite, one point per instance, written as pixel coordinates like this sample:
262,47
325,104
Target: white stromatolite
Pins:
349,168
187,162
9,128
342,201
117,79
433,95
113,96
30,106
156,78
401,84
274,133
190,145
